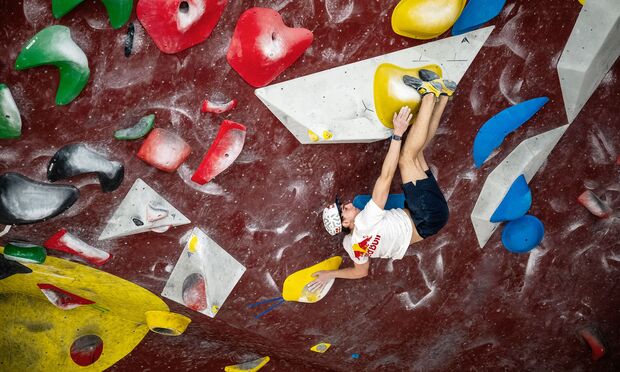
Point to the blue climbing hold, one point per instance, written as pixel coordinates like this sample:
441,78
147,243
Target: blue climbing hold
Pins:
394,201
523,234
476,13
516,203
492,133
355,356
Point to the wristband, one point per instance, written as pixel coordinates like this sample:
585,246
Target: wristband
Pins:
396,138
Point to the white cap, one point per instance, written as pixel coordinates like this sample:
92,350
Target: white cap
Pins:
331,219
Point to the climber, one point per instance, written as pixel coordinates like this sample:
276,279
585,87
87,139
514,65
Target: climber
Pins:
377,233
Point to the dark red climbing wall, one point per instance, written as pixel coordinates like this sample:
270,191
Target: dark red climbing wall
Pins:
487,309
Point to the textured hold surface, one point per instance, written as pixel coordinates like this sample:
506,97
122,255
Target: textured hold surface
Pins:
346,110
251,366
25,252
446,306
476,13
425,19
164,150
33,326
295,287
54,46
65,242
76,159
223,152
119,11
177,25
516,203
139,130
526,159
262,46
390,92
594,204
25,201
62,299
203,268
523,234
493,132
10,120
142,210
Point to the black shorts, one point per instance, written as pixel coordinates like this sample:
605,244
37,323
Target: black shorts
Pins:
427,205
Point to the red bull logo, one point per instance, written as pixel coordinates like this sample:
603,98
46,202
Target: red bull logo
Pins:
363,248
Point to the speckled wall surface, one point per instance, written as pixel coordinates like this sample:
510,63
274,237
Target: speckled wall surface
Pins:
485,309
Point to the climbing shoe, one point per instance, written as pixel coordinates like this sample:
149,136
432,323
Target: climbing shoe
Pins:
447,87
428,75
423,87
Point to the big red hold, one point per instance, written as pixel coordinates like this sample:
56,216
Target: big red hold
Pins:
175,25
263,46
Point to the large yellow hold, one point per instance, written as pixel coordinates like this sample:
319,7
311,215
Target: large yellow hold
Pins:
295,287
37,336
425,19
391,93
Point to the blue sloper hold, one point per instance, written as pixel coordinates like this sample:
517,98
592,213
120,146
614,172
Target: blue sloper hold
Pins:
523,234
516,203
476,13
24,201
393,201
492,133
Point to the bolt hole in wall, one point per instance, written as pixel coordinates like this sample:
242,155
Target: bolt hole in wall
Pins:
184,7
86,350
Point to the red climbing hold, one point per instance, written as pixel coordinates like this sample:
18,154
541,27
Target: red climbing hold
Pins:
194,292
222,153
618,160
595,205
66,242
62,299
263,46
175,25
595,343
164,150
218,107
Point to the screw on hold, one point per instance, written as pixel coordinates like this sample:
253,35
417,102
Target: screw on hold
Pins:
129,39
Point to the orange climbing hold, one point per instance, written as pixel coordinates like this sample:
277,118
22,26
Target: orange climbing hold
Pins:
595,343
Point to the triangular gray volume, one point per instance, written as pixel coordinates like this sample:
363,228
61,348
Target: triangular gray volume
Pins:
591,50
142,209
340,100
526,159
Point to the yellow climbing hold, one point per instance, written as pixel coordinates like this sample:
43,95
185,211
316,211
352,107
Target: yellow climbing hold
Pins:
425,19
215,309
390,93
166,323
295,285
251,366
118,317
313,136
583,2
327,135
193,244
321,347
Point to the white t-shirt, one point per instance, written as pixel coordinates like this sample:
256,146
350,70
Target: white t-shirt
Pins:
379,233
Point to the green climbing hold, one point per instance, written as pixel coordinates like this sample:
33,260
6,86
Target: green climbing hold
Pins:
53,46
119,11
10,121
139,130
25,252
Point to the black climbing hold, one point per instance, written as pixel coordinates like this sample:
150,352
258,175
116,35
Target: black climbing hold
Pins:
76,159
8,268
137,221
129,39
24,201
